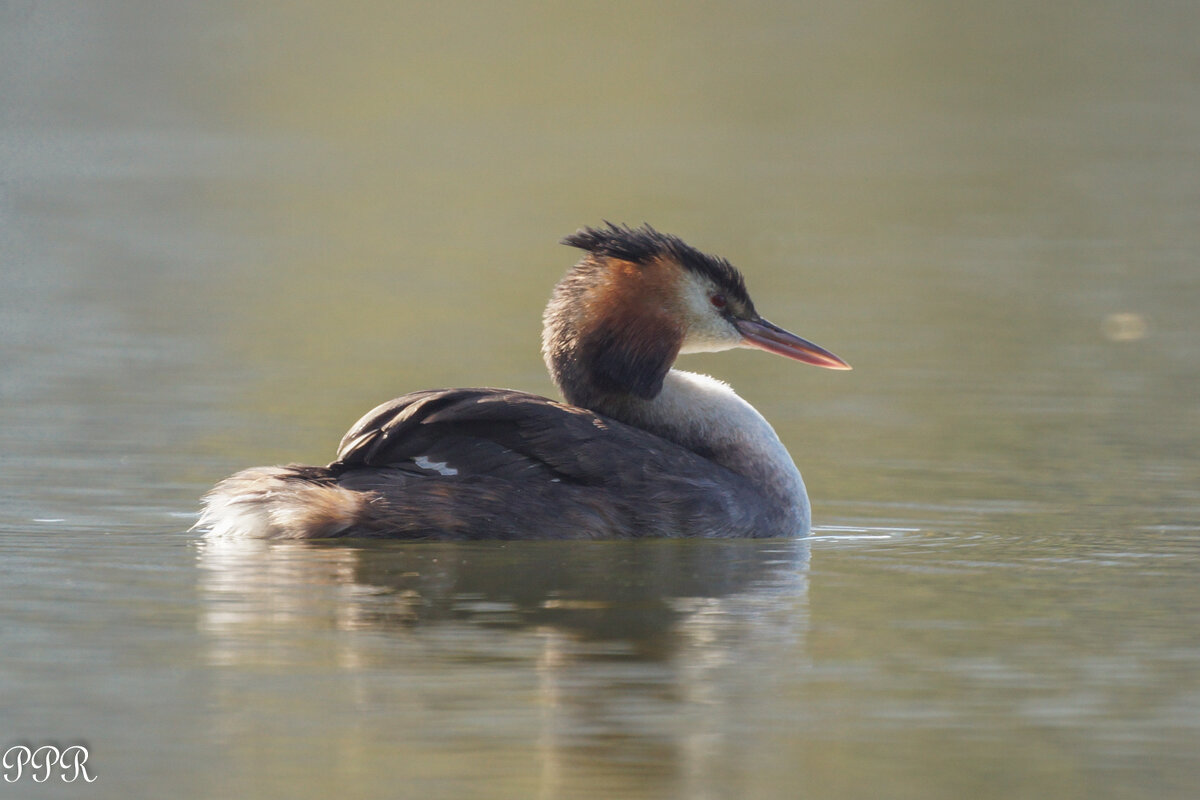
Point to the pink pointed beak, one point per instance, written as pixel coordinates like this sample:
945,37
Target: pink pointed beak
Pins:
763,335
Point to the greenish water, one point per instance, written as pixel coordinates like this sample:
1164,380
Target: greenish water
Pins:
226,232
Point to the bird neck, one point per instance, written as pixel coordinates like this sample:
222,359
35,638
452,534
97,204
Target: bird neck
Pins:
707,417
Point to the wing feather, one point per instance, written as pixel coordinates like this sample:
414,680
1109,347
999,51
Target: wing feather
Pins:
462,456
497,433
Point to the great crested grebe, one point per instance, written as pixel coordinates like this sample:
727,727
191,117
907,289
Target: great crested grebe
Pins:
639,449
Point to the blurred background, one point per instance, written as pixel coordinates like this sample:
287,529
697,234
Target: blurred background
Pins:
989,211
227,230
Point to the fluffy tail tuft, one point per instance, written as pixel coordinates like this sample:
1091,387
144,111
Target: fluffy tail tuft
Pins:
292,502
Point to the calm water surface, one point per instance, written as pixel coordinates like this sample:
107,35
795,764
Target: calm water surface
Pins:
225,233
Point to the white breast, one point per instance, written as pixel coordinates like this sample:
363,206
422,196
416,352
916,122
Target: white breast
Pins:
705,414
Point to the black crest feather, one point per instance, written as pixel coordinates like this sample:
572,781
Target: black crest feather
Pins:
644,244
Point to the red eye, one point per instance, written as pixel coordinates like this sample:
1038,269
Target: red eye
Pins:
718,300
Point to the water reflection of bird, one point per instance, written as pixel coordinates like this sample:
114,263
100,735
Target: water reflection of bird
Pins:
641,450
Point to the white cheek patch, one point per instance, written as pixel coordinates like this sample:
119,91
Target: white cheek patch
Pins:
708,331
440,467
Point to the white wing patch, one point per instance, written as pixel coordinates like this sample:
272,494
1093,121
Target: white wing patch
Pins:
440,467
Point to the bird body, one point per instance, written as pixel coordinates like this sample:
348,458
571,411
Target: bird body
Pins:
638,449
